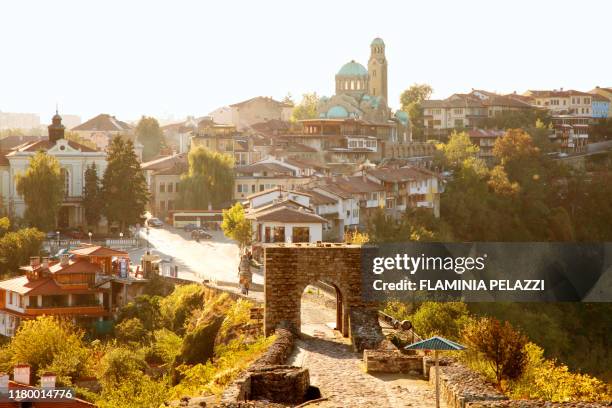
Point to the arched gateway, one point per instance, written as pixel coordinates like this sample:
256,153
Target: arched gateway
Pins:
290,268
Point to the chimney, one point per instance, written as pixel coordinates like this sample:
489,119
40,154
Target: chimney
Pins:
34,261
64,259
47,381
21,374
4,381
45,262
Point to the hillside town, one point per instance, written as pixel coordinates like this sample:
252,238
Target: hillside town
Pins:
133,233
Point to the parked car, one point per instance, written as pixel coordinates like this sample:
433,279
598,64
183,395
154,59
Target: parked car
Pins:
200,234
155,223
190,227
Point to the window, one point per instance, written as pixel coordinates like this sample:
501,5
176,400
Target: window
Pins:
162,187
10,298
66,175
170,205
279,234
458,111
261,187
301,234
252,188
587,101
176,186
170,187
355,212
459,123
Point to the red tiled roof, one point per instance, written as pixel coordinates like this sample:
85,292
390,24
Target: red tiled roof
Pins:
260,167
402,174
351,185
47,144
558,94
103,123
97,250
319,199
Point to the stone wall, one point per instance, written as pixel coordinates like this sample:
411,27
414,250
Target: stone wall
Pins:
290,268
389,361
461,387
268,379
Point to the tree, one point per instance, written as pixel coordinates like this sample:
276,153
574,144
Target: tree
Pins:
42,188
145,308
307,108
138,390
458,150
120,364
130,330
288,99
50,344
124,188
410,101
209,181
500,345
440,319
92,196
17,247
151,136
236,226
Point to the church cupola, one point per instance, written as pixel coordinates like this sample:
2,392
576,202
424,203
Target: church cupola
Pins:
56,129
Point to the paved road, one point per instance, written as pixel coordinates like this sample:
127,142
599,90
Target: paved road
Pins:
215,260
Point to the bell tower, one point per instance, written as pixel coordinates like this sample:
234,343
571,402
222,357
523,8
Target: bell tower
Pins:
377,69
56,129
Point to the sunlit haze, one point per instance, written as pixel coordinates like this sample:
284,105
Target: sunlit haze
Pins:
188,58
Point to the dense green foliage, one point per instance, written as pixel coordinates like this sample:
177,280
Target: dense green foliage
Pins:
209,180
42,189
16,247
505,352
410,101
124,188
92,196
49,345
307,108
236,226
515,119
151,136
165,348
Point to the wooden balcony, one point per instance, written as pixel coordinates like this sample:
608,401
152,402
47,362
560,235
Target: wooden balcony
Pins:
94,310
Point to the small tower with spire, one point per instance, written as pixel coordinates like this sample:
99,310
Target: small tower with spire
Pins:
56,129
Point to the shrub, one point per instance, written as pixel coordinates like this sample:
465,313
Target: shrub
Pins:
120,364
145,308
50,344
440,318
500,345
550,381
177,307
131,330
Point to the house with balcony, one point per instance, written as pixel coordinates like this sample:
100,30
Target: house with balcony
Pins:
360,197
485,140
407,187
86,285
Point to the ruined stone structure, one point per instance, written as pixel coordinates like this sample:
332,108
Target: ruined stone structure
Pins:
290,268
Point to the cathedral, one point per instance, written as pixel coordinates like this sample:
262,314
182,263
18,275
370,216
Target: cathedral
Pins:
361,93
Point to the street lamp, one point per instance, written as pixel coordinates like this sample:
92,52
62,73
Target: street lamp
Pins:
121,235
148,238
58,239
90,234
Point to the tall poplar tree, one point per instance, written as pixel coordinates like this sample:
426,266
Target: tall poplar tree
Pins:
124,187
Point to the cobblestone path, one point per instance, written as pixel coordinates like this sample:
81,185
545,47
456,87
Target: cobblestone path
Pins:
340,375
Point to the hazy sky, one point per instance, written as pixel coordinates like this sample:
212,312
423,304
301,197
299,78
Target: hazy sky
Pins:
130,58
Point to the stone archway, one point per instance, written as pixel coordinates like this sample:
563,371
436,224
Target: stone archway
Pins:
290,268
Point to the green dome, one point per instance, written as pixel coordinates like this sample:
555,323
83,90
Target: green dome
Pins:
336,112
377,41
352,69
